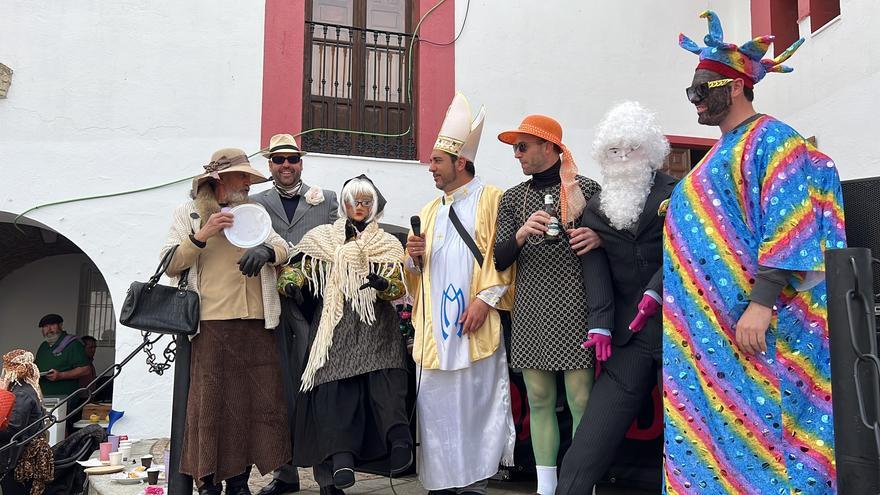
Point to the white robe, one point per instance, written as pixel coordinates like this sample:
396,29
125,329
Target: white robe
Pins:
465,422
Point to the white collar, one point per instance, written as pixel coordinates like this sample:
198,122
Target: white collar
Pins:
462,192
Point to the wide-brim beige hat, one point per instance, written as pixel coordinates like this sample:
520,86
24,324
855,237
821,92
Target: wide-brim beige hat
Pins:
226,161
282,143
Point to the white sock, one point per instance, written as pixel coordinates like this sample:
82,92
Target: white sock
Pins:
546,479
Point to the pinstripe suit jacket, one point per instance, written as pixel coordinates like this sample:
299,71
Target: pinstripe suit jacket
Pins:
628,263
304,219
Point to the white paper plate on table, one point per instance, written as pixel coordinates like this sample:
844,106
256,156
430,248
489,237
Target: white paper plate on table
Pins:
125,479
251,227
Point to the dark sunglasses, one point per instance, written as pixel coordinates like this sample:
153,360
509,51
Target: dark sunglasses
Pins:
522,146
278,160
701,91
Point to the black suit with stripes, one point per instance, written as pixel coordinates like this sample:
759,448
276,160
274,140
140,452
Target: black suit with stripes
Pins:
615,276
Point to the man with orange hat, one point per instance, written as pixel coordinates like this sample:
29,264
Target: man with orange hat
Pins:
550,307
466,426
235,414
746,364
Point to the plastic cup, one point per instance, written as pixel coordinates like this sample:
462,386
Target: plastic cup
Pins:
105,451
147,461
126,453
153,476
114,443
115,458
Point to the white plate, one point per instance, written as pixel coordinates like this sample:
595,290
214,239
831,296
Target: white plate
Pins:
123,479
251,228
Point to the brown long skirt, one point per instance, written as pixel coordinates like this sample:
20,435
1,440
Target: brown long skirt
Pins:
236,415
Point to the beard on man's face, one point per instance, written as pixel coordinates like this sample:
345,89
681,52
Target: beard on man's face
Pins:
237,197
717,104
625,187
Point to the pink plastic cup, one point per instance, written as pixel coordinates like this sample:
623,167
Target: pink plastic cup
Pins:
105,451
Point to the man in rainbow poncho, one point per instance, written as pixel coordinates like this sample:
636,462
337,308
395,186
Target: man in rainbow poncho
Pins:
746,366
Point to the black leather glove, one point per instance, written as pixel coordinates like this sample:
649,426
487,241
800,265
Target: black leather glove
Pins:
294,292
254,259
375,281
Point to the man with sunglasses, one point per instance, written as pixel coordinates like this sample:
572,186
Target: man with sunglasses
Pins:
745,344
550,304
294,208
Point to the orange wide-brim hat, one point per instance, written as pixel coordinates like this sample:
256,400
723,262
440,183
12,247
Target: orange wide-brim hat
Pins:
540,126
572,201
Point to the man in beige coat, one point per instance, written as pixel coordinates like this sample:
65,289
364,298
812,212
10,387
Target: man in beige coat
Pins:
236,414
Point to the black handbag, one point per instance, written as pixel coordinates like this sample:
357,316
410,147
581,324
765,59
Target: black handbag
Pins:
152,307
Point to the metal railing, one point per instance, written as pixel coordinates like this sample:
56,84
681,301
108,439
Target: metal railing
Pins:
356,80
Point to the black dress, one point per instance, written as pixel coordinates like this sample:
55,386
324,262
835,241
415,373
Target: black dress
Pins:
549,319
360,393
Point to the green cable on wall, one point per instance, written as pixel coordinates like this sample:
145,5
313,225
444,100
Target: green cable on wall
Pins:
318,129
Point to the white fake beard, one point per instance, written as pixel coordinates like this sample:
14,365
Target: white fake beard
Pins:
624,191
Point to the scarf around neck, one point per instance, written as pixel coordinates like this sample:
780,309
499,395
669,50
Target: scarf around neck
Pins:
336,270
288,192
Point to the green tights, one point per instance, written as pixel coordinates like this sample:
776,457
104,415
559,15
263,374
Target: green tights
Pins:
541,388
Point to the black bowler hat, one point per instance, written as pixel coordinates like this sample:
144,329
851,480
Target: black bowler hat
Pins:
50,319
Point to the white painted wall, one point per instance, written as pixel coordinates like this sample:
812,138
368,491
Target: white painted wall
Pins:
833,91
573,61
111,96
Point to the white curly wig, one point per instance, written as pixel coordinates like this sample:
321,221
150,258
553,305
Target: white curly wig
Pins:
627,177
630,124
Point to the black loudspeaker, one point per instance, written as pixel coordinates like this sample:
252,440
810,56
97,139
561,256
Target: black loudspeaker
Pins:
862,209
855,382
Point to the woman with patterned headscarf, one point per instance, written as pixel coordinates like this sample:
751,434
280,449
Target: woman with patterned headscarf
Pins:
21,377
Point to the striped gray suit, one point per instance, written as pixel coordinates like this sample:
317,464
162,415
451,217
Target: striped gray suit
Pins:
306,217
293,333
615,277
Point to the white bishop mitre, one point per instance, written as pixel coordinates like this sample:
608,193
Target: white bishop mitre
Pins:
459,135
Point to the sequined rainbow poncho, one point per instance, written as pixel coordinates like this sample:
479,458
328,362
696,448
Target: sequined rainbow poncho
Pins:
737,424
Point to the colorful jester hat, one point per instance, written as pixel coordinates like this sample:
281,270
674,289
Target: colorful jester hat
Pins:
734,61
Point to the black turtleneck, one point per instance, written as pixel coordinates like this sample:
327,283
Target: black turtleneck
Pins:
507,252
547,178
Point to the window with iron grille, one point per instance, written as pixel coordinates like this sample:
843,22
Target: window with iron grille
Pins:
356,78
95,316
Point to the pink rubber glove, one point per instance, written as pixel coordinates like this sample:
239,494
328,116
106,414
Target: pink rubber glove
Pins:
602,343
648,307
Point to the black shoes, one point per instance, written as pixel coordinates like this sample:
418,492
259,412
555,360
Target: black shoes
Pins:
343,478
238,485
211,489
278,487
401,457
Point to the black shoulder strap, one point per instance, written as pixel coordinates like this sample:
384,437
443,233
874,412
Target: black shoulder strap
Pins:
471,244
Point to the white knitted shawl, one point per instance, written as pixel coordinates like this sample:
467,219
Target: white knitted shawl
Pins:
335,271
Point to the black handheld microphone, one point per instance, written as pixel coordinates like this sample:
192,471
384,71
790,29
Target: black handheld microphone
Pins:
416,224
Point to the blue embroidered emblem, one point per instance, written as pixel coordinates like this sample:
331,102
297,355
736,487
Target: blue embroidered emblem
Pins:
453,305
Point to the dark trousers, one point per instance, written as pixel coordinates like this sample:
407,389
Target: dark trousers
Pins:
617,396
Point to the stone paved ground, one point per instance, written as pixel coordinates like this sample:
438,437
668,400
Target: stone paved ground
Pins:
379,485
